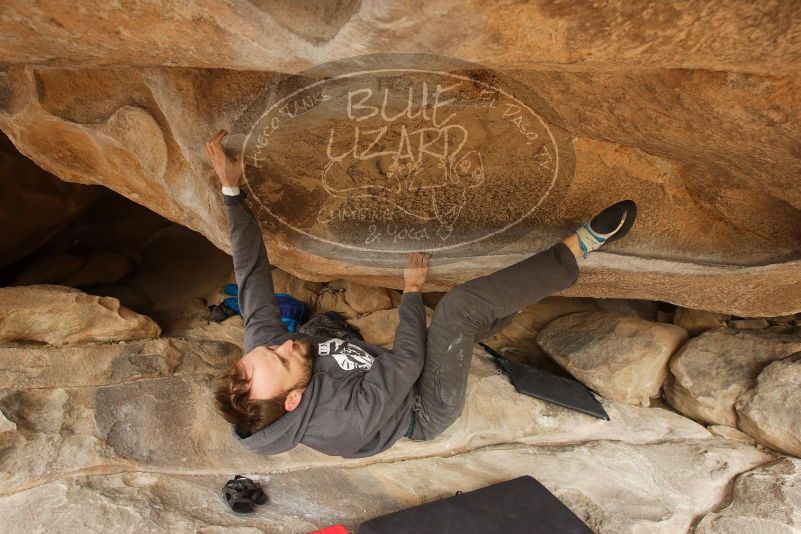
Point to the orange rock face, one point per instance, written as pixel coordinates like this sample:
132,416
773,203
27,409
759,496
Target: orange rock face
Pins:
351,164
59,315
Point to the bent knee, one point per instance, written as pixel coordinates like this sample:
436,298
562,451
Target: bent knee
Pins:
438,424
457,304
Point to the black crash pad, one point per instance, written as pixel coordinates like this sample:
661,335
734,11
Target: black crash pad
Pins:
541,384
521,505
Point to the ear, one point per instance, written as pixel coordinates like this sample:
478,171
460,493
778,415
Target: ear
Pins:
293,399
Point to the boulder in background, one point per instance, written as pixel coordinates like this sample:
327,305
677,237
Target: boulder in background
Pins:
60,315
770,411
623,358
712,370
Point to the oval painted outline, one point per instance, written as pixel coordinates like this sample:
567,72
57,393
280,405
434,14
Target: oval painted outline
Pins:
363,249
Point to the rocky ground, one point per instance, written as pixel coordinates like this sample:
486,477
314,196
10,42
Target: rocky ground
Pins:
107,419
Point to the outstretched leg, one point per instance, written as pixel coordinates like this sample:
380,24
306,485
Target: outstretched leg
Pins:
480,307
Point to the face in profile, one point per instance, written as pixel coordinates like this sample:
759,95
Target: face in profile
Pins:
276,370
263,385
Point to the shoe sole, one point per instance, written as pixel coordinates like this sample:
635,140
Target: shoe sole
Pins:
631,215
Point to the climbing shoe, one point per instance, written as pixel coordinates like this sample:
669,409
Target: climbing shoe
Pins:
612,223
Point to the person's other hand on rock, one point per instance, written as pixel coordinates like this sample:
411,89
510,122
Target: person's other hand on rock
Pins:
414,275
229,170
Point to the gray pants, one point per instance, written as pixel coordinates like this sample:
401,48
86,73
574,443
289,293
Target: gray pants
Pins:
473,311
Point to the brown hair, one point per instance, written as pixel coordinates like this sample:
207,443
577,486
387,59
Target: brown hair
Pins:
247,415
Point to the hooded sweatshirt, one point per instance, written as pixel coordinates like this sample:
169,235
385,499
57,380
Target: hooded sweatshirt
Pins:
359,399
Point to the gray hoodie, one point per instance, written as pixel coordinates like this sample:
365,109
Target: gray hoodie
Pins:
359,400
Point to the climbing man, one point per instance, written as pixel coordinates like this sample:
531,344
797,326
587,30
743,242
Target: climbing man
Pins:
354,399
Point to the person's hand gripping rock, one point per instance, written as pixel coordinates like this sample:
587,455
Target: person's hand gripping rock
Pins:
229,170
416,271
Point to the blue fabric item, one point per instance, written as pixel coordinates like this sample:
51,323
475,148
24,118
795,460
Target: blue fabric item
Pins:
293,311
233,303
231,289
584,249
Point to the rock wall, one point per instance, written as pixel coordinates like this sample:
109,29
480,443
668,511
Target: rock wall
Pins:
689,109
281,35
110,425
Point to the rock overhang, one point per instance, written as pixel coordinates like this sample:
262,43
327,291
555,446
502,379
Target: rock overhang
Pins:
705,141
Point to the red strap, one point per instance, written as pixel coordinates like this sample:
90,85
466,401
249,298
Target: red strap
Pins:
336,529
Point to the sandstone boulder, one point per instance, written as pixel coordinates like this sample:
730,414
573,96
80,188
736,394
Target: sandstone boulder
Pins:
120,127
769,411
60,316
786,329
6,425
727,432
749,324
395,296
765,500
334,300
518,339
698,321
379,327
665,316
286,36
644,309
24,366
129,296
430,299
303,290
623,358
711,371
782,320
231,330
366,299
